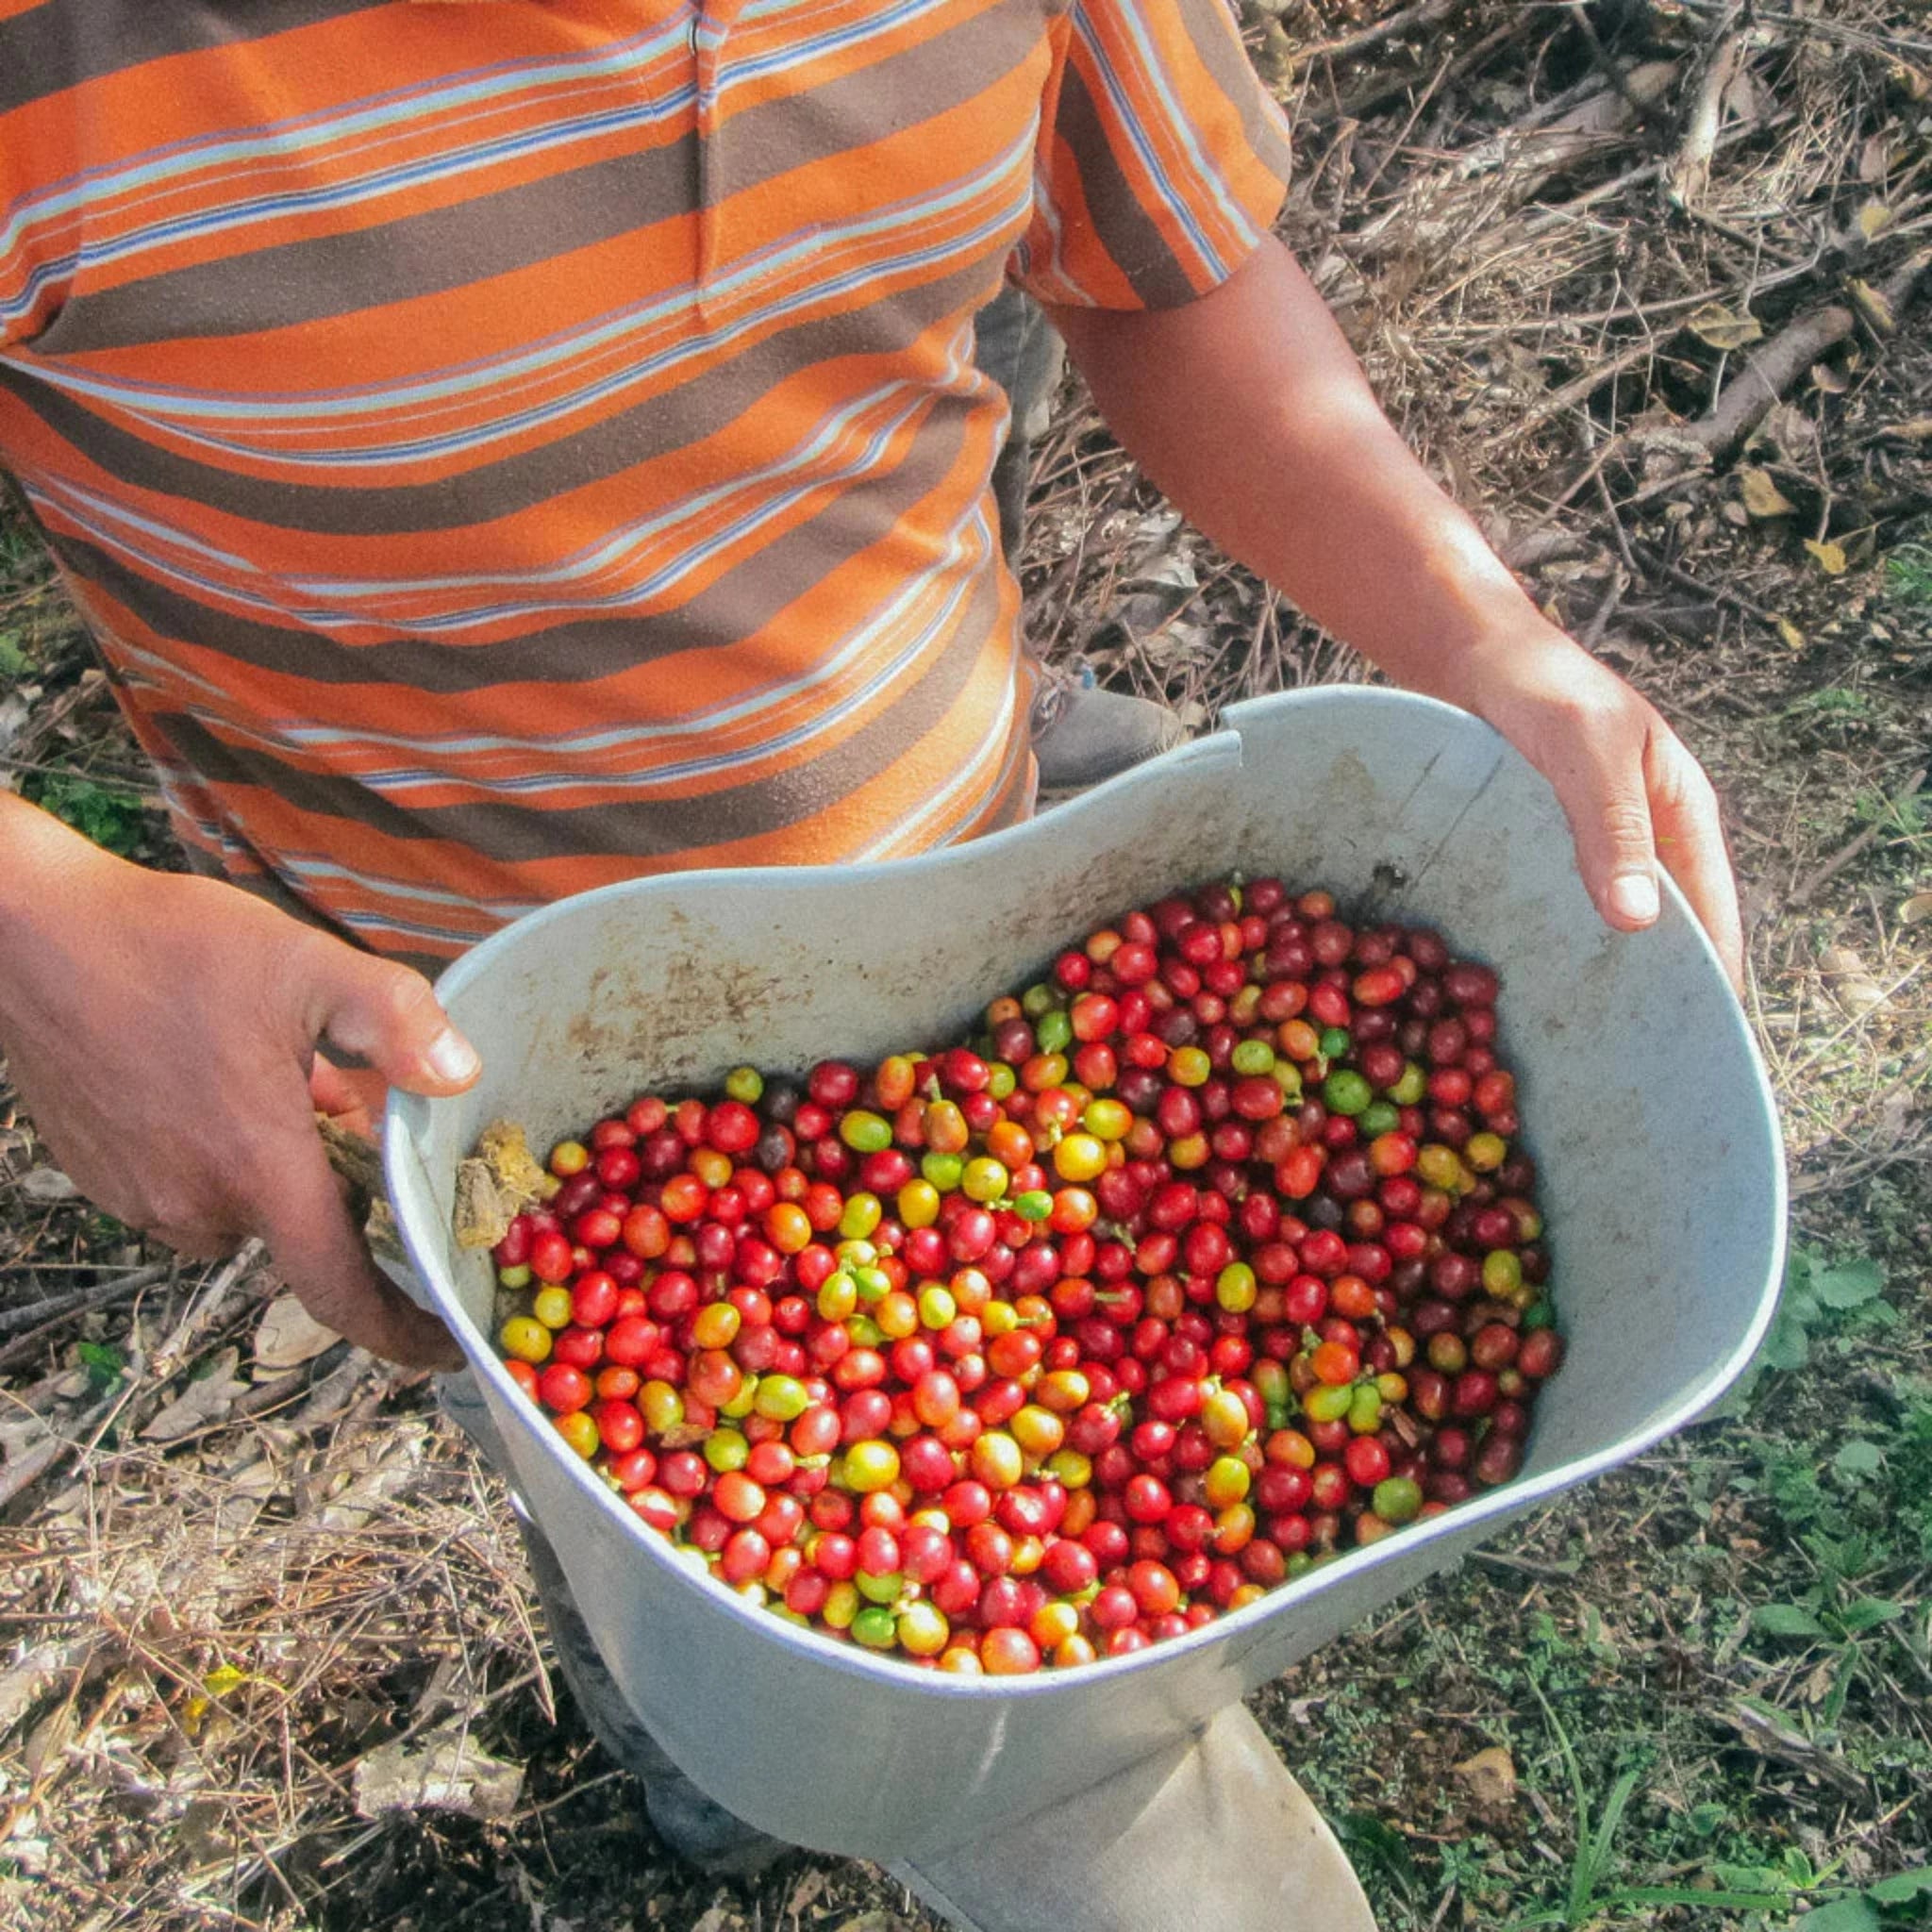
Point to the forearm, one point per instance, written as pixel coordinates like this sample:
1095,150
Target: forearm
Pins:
44,864
1251,412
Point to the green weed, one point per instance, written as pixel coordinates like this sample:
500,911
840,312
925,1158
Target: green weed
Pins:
1903,817
1890,1905
1815,1294
104,1365
1372,1844
1909,575
110,815
1834,701
1779,1887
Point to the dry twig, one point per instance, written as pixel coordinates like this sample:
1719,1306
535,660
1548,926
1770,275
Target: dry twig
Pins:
1689,180
173,1353
1404,20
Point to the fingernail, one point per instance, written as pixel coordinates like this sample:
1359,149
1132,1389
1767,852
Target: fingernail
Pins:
451,1057
1633,896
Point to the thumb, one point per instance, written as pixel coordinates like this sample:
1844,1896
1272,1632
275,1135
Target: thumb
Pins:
1607,803
389,1015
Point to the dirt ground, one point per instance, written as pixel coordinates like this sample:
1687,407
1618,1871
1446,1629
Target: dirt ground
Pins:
1648,285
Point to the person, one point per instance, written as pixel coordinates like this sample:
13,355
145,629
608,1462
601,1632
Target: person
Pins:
502,446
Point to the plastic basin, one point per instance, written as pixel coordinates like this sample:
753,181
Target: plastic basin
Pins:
1643,1098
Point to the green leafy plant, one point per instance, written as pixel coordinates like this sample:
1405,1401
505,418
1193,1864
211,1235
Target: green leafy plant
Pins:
1782,1885
1815,1293
105,1366
1375,1845
109,815
1891,1905
1862,1516
1834,1614
1909,1465
1834,701
1903,817
1909,575
1587,1897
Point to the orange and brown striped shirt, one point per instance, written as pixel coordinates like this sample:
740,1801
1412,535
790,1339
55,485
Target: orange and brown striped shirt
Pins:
507,447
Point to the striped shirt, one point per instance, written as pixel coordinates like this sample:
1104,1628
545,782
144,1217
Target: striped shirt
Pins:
502,448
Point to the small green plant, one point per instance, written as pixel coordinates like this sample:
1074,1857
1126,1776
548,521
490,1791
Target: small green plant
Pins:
1833,1613
105,1366
1903,817
1910,1468
1872,1493
1834,701
108,814
13,657
1372,1845
1909,575
1588,1897
1815,1293
1890,1905
1780,1887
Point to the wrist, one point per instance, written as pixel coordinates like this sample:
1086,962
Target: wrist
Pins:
1504,650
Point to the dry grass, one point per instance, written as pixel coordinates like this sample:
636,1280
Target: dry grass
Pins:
207,1632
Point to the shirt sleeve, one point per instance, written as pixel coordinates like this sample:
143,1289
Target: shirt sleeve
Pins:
1161,160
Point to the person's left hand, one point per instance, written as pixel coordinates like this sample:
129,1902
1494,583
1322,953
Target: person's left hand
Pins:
1634,796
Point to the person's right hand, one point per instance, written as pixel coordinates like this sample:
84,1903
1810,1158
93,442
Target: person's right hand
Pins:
161,1029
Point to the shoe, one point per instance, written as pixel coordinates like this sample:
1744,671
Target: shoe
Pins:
1082,735
718,1843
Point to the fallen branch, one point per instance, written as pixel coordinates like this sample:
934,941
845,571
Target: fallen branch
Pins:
1655,565
1553,142
43,1314
1527,159
267,1395
1776,1738
1383,87
1751,395
1591,635
23,1348
1574,393
1646,110
1566,213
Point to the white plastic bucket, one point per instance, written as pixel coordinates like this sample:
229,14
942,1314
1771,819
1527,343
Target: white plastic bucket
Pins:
1645,1106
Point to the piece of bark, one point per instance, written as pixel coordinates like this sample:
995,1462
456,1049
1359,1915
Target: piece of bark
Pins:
81,1300
359,1164
497,1182
171,1356
442,1770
